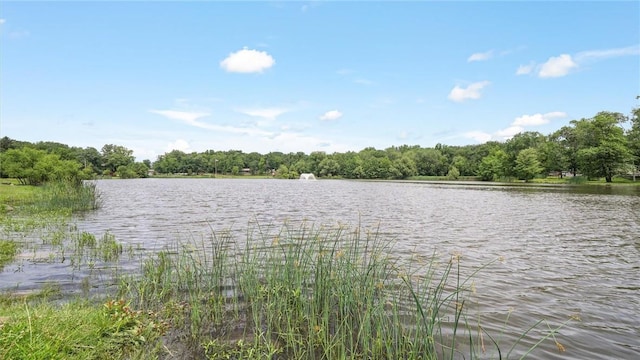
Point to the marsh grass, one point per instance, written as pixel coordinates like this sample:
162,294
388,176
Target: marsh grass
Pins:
300,292
69,195
8,251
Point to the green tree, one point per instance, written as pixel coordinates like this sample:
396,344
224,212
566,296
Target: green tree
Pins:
494,166
126,172
328,167
431,162
405,166
603,148
283,172
35,167
633,139
521,141
553,156
462,165
114,156
527,164
453,173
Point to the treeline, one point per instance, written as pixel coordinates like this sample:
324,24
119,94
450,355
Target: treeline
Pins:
41,162
597,147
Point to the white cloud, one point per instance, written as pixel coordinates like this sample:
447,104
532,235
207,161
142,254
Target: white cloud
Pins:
472,91
508,133
525,69
537,119
184,116
2,21
517,126
478,136
247,61
607,53
179,144
557,66
266,113
480,56
331,115
191,118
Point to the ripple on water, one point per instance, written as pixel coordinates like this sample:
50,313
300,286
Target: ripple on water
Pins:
563,251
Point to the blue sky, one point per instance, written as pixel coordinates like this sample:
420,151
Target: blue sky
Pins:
309,76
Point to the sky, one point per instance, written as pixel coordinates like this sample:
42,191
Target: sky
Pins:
292,76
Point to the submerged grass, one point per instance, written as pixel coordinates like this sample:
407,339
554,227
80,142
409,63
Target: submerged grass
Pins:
8,252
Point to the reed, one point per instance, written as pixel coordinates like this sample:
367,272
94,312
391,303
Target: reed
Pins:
81,196
301,292
8,251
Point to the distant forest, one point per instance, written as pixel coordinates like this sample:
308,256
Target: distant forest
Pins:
603,146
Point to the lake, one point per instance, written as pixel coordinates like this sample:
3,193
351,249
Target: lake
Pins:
551,251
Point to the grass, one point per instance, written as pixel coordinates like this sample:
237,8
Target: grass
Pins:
76,330
8,252
305,293
71,196
294,292
443,178
13,195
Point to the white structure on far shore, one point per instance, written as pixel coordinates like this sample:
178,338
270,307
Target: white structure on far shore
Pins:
308,176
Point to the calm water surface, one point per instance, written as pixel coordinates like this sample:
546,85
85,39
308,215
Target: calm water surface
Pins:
562,251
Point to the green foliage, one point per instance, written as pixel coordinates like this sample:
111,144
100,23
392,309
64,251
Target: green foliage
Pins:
71,196
633,138
519,142
8,251
328,167
553,157
283,172
133,171
527,164
494,166
603,149
36,167
453,173
300,293
114,156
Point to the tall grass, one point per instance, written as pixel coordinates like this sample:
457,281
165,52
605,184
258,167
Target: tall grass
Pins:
301,292
73,196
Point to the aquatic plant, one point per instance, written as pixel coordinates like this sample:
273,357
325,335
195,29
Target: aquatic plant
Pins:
8,251
309,293
74,196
